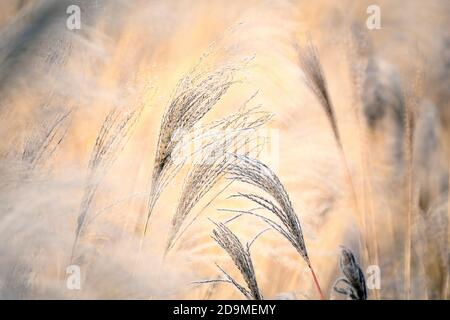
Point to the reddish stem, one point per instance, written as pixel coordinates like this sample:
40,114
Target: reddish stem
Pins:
316,282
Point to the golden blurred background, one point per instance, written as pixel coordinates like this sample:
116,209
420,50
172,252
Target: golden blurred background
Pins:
57,86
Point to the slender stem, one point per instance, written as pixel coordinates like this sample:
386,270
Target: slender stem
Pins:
408,240
409,139
361,217
409,198
316,282
368,194
447,289
144,231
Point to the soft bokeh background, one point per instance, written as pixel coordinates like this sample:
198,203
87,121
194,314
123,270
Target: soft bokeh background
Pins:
129,53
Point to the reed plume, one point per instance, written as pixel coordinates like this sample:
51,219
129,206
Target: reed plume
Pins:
353,283
253,172
242,260
111,139
194,96
233,131
316,81
38,150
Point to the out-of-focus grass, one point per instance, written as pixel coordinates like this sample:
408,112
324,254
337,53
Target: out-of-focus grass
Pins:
129,53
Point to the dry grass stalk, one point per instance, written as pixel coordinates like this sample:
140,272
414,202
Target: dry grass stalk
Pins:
232,132
409,120
409,197
447,291
430,242
254,172
111,139
368,194
38,150
353,282
194,96
242,260
199,181
376,97
316,81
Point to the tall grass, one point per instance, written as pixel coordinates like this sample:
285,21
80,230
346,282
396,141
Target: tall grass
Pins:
232,134
399,196
447,291
194,96
410,199
410,122
315,79
39,149
382,102
353,282
241,257
253,172
111,139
